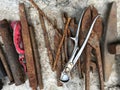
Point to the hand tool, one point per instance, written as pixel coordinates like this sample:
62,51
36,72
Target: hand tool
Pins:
18,42
36,57
11,54
47,42
92,48
30,63
75,56
94,43
57,38
110,37
61,42
5,64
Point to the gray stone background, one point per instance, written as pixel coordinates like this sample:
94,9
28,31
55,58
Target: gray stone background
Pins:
53,9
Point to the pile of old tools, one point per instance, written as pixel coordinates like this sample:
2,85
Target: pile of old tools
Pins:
88,30
88,45
75,47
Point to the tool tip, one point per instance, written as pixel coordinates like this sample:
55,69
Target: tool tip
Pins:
64,77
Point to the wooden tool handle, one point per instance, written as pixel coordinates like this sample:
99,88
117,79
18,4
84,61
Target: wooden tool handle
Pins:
5,64
12,56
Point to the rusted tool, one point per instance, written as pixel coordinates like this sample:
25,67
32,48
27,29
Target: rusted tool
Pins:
86,55
110,37
43,14
93,43
75,56
87,66
96,37
57,38
5,64
61,62
37,58
61,43
28,48
65,46
11,54
47,42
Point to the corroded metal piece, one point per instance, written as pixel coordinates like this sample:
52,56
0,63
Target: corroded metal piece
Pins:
87,66
11,54
93,44
61,42
37,58
28,48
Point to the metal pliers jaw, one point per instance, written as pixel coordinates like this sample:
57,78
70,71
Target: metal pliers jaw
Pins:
65,75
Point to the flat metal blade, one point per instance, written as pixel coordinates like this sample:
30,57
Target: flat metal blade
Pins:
110,36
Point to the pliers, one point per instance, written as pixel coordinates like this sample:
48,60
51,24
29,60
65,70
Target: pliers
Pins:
76,53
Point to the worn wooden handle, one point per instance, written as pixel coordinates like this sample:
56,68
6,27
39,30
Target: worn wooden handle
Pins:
12,56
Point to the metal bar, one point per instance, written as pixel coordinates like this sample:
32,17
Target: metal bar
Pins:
28,48
36,57
61,42
87,66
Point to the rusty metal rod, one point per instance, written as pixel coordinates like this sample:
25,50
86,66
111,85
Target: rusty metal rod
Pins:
47,42
61,43
100,69
28,48
87,66
43,14
37,58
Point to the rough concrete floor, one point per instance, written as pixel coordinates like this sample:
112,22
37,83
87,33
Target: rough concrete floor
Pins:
53,9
